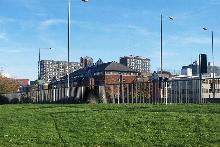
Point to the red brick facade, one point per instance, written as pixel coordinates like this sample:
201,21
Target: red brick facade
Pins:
116,79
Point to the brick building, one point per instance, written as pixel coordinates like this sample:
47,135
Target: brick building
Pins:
103,74
104,78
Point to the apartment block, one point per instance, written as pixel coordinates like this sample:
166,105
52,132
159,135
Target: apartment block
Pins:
137,63
50,69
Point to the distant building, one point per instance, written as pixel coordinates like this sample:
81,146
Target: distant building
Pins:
102,74
50,69
193,69
86,61
186,71
137,63
103,78
187,88
216,69
22,82
23,85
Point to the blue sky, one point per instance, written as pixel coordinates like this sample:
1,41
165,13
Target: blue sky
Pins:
106,29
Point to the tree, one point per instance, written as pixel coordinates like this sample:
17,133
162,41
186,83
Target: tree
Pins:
8,85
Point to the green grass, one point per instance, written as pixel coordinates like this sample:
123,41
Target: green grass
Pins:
110,125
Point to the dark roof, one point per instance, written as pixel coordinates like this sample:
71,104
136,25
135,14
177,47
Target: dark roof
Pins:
110,66
114,66
89,71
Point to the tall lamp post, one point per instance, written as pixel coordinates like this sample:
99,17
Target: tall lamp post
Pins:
161,43
161,53
39,76
213,70
68,72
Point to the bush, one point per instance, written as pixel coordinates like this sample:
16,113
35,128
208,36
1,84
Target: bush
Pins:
3,100
26,100
14,101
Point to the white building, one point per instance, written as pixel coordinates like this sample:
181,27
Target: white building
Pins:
186,71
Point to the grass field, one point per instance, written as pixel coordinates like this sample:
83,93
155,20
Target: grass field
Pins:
110,125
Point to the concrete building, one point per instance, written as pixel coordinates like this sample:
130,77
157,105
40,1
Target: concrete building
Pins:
50,69
137,63
86,61
186,71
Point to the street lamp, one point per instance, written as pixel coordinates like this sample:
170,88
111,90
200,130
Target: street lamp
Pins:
161,49
161,42
39,75
213,70
68,77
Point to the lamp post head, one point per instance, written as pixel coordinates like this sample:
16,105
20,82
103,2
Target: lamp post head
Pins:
205,29
85,0
171,17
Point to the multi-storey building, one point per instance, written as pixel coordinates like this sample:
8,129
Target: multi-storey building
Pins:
137,63
86,61
50,69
